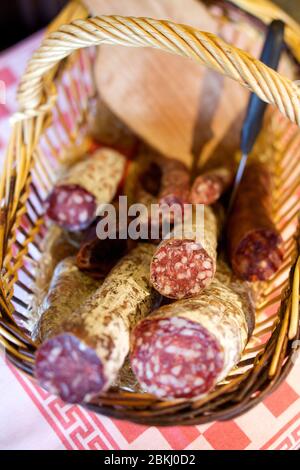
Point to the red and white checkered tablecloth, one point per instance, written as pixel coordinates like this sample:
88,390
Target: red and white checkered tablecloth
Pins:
32,419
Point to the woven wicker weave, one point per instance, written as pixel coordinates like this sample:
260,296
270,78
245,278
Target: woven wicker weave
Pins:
42,137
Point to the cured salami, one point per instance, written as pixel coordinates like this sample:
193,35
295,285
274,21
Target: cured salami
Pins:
183,267
86,357
184,349
71,207
56,246
254,244
175,182
166,179
68,289
161,181
87,184
209,186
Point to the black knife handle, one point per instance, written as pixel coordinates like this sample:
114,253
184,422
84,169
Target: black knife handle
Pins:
256,108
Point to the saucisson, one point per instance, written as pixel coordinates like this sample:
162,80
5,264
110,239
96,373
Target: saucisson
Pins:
182,267
87,184
209,186
166,179
175,182
184,349
157,180
86,357
68,289
254,244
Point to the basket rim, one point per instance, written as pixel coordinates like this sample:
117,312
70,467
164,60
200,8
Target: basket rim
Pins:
205,48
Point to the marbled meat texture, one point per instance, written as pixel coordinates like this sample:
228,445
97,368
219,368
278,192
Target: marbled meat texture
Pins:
183,267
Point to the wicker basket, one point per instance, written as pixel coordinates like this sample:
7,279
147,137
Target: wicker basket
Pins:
58,82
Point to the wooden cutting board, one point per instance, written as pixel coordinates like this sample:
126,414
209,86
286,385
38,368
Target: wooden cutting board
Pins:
161,96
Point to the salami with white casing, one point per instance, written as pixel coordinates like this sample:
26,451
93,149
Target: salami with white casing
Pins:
183,267
68,289
86,185
210,186
184,349
86,358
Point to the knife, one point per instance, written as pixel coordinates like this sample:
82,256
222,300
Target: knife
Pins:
256,108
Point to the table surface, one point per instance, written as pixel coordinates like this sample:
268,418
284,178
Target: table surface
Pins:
30,418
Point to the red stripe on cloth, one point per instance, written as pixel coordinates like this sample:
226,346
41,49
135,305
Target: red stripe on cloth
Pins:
101,426
280,433
73,420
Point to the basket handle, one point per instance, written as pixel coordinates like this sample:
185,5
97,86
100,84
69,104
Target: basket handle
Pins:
205,48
